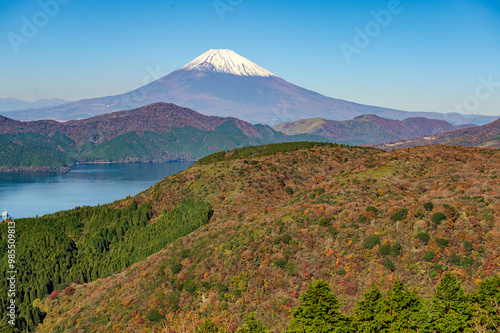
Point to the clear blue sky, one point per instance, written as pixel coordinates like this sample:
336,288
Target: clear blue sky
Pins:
429,56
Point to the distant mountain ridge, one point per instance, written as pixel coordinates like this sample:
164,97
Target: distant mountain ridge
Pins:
487,136
367,129
12,104
157,132
223,83
167,132
159,117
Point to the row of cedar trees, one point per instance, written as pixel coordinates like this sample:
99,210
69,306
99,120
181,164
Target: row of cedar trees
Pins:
85,244
401,310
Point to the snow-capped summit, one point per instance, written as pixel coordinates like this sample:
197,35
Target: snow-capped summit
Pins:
226,61
223,83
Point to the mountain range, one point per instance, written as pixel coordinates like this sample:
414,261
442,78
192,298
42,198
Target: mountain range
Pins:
157,132
367,129
167,132
11,104
487,136
223,83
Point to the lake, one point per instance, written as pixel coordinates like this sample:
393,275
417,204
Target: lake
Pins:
31,194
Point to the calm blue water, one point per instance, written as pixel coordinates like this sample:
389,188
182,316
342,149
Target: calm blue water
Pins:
27,195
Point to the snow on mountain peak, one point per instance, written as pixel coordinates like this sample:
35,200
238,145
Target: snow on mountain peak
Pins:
226,61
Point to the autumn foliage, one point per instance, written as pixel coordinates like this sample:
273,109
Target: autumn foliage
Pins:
264,248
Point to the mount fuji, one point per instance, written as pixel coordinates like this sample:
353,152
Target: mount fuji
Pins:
223,83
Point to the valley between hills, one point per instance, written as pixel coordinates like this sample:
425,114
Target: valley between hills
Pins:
405,239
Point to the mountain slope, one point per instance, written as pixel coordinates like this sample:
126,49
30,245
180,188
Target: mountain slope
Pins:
223,83
157,132
367,129
159,117
286,214
34,152
481,136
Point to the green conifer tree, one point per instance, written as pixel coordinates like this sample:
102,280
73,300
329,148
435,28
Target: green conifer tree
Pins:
486,301
451,310
252,325
363,319
319,312
402,311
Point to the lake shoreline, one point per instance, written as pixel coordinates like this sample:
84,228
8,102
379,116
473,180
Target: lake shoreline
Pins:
49,170
30,194
24,169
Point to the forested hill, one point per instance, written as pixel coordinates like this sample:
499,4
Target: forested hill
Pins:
158,117
157,132
368,129
413,229
481,136
86,244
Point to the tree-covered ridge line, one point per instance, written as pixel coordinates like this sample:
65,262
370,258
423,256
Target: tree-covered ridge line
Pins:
155,133
480,136
28,151
368,129
25,151
265,150
88,243
353,217
166,132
